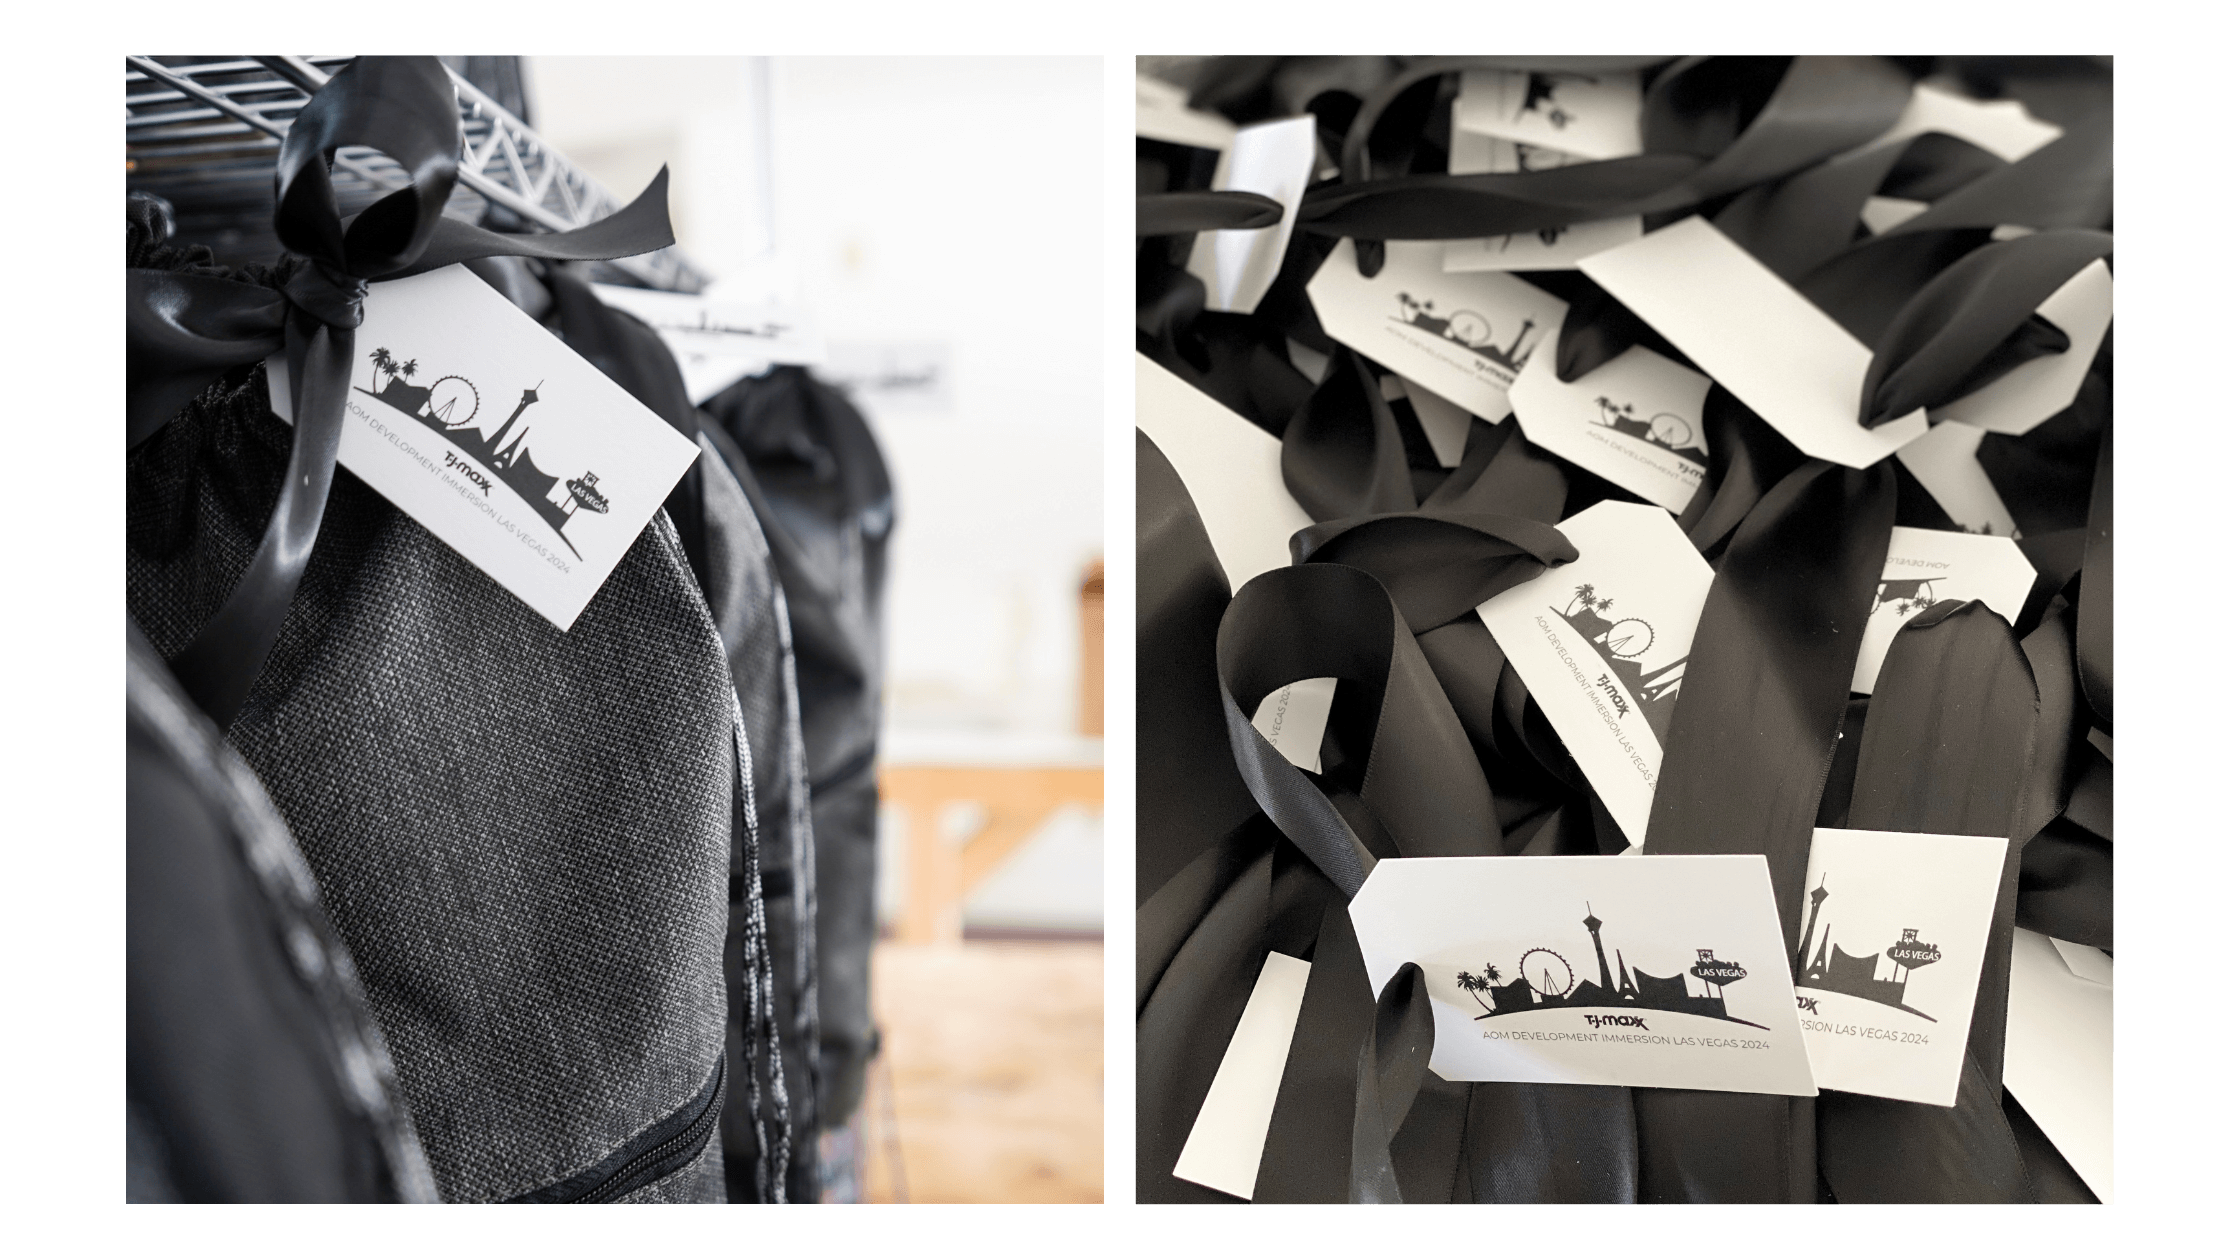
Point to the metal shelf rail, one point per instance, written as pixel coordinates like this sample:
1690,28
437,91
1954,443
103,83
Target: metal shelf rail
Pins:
202,133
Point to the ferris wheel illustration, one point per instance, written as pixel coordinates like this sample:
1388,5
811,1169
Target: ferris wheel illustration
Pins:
1629,638
1470,328
1546,971
453,401
1670,430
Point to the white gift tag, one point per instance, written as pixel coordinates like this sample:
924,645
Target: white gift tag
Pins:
1892,947
1593,115
485,428
2060,1065
2040,389
1766,342
1223,1149
1636,420
1659,970
1275,160
716,341
1928,565
1232,468
1461,335
2002,128
1163,113
1293,718
1555,249
1943,460
1602,642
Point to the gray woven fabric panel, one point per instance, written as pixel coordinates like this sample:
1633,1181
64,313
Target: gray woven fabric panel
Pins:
522,835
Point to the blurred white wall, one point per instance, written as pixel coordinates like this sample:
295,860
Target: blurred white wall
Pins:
947,206
942,211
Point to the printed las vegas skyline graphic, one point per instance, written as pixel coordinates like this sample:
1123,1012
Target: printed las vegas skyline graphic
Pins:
1620,643
1544,981
1835,971
1666,430
1468,329
449,404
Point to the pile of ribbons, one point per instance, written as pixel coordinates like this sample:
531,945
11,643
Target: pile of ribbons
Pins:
1434,746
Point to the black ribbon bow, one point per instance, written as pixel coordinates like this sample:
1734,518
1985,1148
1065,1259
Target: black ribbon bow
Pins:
184,330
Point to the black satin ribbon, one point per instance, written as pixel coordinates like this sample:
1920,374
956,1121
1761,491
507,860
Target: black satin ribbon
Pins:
1175,213
1796,211
1798,547
1483,529
1819,107
1746,756
1436,564
1948,747
1387,1074
1187,789
2096,592
184,330
1929,354
1415,785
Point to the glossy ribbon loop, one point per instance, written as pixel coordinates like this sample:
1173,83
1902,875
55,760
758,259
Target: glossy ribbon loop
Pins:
185,330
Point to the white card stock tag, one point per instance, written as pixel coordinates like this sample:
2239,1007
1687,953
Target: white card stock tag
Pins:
717,341
1766,342
485,428
1659,970
1556,249
1232,468
1293,718
1636,420
1550,250
1601,643
1223,1149
1595,116
1461,335
1163,113
1275,160
1892,947
1943,460
1929,565
2061,1035
2002,128
2040,389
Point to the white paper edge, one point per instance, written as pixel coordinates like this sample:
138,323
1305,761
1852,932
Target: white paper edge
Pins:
1223,1149
1836,440
1159,118
2061,1071
1943,460
1234,474
1266,245
2004,129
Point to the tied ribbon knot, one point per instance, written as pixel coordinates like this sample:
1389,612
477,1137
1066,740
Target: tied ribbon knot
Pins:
334,298
184,330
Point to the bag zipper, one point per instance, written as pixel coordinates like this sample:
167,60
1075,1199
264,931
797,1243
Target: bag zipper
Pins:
667,1146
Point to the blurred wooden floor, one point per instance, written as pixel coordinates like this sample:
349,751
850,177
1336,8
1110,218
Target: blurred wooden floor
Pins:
996,1051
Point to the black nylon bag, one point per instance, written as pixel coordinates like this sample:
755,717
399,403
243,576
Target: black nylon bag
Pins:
813,471
524,837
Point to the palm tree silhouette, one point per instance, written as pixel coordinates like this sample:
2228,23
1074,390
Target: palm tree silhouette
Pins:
1474,984
382,363
1583,599
408,367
